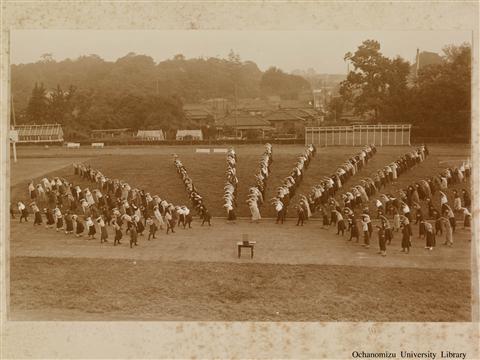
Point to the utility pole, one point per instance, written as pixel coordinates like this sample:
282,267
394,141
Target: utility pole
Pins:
13,141
235,116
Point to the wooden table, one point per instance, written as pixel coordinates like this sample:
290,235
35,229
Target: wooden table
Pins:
245,244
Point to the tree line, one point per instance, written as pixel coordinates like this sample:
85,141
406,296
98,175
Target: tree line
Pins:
134,91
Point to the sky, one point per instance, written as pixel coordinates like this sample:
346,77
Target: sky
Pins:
288,50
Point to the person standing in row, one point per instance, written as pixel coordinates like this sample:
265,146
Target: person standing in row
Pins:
91,228
152,229
133,235
382,243
405,238
353,228
301,215
206,217
118,232
59,218
68,224
79,227
340,223
50,218
170,222
37,220
23,211
103,230
429,235
366,233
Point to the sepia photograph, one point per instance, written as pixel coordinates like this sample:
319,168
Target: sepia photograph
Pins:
205,175
216,175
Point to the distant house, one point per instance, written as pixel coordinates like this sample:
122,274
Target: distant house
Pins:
285,121
198,114
310,116
39,133
151,135
244,122
255,106
106,134
189,135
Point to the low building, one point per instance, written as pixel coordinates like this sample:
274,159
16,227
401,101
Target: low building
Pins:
189,135
286,122
198,114
151,135
244,124
39,133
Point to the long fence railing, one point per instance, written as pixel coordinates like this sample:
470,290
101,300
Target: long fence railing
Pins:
355,135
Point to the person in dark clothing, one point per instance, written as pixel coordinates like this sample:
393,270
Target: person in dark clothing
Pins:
405,238
353,229
206,217
152,228
79,227
382,243
118,232
68,224
467,202
133,235
50,218
301,215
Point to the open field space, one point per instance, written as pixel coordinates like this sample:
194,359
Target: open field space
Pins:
297,274
99,289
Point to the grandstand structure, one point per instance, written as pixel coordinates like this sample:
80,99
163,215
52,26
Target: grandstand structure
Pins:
44,133
356,135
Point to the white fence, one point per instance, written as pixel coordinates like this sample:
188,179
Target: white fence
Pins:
356,135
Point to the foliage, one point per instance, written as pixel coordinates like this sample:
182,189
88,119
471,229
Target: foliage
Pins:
442,95
437,103
275,82
134,91
376,81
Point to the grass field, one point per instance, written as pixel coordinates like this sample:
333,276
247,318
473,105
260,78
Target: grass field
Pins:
306,274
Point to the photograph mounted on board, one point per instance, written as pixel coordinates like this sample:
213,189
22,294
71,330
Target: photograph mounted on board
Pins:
240,176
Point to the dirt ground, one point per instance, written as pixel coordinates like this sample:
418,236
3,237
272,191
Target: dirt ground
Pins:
297,273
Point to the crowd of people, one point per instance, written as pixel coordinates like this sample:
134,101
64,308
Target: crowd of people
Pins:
230,188
112,203
286,190
397,212
324,192
256,193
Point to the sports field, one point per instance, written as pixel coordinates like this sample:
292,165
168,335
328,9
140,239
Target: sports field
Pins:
297,274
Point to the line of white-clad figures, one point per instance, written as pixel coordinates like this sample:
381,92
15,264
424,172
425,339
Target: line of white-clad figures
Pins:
195,198
326,190
323,195
286,190
256,193
231,182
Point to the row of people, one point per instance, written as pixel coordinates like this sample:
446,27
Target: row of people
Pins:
256,193
321,193
286,190
193,194
230,188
